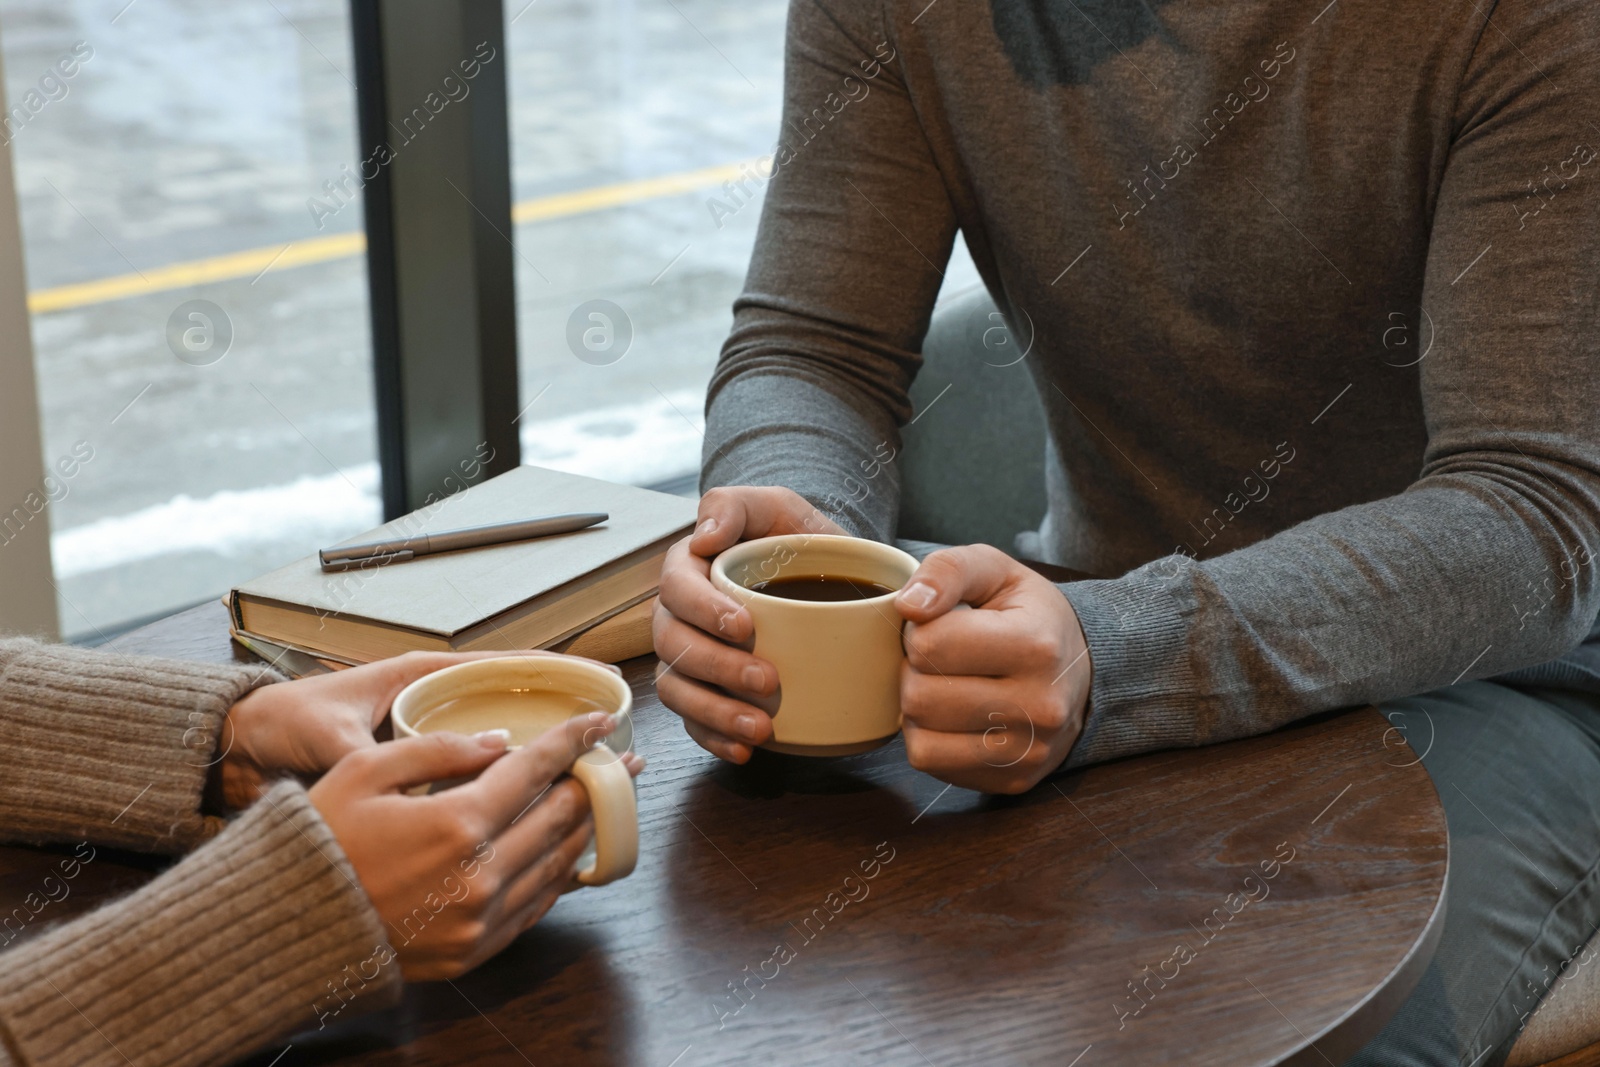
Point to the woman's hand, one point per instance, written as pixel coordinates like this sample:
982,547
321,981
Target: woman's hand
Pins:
457,875
304,727
992,698
702,636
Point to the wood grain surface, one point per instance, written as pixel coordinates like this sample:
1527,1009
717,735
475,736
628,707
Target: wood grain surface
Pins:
854,910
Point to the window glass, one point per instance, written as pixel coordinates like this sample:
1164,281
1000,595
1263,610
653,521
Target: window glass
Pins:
636,127
201,346
202,335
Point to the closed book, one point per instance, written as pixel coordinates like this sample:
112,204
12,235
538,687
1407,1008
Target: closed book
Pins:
537,593
623,636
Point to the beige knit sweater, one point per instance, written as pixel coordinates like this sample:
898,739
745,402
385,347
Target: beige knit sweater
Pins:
239,943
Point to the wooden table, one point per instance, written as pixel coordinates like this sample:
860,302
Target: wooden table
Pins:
990,930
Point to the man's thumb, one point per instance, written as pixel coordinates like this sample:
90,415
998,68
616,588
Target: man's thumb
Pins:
969,574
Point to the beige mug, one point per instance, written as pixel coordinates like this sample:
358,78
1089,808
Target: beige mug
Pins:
529,695
838,661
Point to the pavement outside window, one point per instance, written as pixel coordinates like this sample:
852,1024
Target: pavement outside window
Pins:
201,324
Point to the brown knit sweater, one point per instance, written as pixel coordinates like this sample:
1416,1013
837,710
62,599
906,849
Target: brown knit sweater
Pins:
240,940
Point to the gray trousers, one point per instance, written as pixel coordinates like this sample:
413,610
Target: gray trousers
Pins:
1518,772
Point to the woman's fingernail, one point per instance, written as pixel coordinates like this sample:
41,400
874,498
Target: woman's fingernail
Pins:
754,678
707,526
918,595
494,739
750,726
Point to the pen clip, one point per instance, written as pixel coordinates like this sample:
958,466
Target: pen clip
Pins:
381,560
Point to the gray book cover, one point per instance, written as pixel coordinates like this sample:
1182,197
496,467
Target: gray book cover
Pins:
452,591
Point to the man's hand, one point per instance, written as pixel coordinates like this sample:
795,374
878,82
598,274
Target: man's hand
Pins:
457,875
703,637
992,698
304,727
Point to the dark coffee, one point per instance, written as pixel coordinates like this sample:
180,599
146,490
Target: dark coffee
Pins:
821,587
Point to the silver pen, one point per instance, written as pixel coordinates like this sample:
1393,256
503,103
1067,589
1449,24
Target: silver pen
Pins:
344,557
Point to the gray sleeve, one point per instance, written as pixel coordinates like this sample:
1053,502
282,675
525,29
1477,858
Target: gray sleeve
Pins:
1486,563
855,232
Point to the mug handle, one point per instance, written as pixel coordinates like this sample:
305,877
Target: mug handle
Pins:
616,817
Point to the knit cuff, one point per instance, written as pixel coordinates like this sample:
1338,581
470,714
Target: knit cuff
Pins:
260,933
823,439
1142,696
108,748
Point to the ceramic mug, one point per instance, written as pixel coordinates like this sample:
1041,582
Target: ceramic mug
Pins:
529,695
838,661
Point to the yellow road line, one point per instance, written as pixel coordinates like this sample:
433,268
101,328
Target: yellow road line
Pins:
252,262
604,196
197,272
